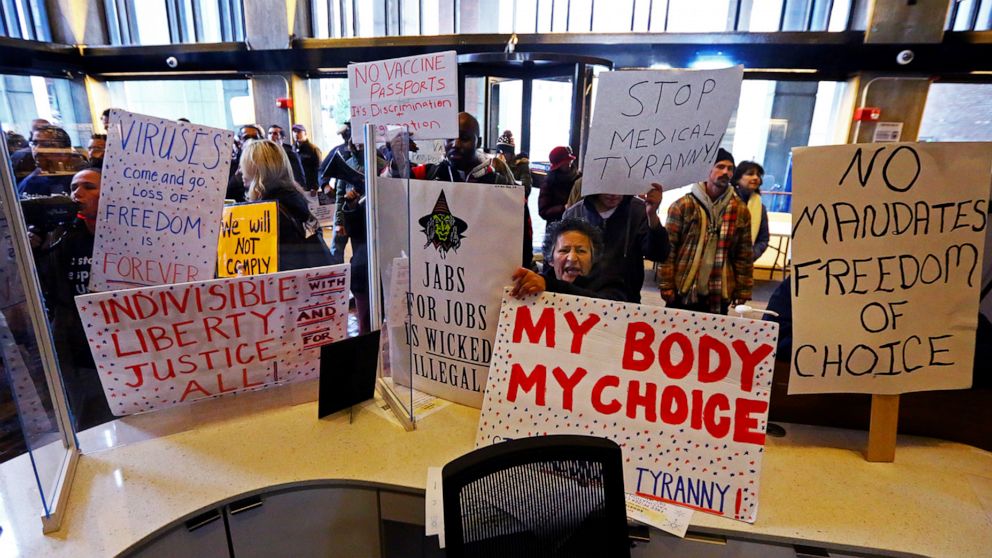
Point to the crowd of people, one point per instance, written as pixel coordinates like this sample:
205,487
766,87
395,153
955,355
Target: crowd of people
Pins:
595,245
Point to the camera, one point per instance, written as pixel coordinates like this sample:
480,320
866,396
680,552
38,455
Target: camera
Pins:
171,62
905,57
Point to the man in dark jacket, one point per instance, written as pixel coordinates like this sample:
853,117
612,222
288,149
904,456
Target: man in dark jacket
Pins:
277,135
632,231
558,184
309,155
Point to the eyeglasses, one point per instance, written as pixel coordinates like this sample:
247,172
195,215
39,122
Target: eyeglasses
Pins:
47,143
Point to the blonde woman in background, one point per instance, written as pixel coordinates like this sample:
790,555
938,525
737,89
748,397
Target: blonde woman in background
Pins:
268,177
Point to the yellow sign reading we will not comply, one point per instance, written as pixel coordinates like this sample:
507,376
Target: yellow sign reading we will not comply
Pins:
249,240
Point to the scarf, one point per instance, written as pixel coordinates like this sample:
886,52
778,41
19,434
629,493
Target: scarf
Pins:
710,237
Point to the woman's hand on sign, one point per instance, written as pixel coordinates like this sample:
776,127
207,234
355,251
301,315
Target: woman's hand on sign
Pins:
526,282
652,201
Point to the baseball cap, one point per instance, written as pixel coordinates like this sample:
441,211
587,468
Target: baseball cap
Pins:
299,128
560,156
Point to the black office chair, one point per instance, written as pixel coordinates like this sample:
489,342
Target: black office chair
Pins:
549,496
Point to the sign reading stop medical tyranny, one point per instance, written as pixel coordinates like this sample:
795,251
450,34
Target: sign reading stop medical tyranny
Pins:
685,395
887,265
661,126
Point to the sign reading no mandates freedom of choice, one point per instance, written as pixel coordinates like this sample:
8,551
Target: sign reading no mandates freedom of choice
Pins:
249,240
417,92
160,202
660,126
156,347
685,394
886,265
465,241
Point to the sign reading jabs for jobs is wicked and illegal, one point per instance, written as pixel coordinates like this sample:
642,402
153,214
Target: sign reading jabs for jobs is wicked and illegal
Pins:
661,126
419,93
457,270
160,202
886,265
684,394
156,347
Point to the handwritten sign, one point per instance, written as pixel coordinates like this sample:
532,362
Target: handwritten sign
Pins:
684,394
249,240
886,265
660,126
156,347
160,202
456,276
416,92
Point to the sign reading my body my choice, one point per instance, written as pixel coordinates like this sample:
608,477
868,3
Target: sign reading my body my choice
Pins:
887,265
660,126
419,93
685,394
160,202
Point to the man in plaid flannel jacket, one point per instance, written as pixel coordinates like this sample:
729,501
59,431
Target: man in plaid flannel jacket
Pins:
709,266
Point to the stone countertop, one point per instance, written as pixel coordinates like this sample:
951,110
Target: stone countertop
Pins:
816,487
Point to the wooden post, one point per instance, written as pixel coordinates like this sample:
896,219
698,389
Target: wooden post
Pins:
882,431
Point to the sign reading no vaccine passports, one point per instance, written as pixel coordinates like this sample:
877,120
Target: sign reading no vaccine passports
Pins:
419,93
156,347
661,126
160,202
684,394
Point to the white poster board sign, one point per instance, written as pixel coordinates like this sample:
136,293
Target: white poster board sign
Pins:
160,202
684,394
886,265
457,276
661,126
157,347
419,93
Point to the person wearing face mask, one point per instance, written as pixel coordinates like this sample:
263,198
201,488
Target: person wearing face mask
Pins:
64,270
747,184
710,264
572,250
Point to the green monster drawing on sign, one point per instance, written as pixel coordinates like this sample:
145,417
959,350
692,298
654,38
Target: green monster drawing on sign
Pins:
443,230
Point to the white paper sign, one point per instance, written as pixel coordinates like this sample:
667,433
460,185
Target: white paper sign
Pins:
684,394
160,202
661,126
156,347
416,92
886,265
457,275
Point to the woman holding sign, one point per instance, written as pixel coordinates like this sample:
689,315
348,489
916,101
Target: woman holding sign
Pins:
572,249
266,171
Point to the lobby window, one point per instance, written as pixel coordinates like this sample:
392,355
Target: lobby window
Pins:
60,101
957,112
24,19
969,15
218,103
139,22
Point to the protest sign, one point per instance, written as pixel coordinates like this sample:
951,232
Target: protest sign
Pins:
684,394
661,126
156,347
160,202
419,93
457,274
249,240
886,265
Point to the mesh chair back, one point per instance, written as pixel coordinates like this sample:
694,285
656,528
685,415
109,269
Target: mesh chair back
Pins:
550,496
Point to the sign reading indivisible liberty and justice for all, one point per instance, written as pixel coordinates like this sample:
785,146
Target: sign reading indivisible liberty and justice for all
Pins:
160,202
684,394
457,273
661,126
419,93
156,347
886,265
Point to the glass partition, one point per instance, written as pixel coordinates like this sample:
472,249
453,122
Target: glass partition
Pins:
27,359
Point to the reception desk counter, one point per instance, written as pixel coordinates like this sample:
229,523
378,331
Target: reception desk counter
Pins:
816,487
